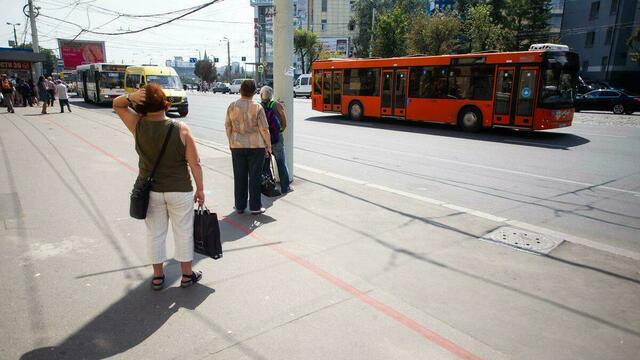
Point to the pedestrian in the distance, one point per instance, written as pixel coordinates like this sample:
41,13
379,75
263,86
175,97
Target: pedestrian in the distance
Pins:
6,86
51,89
277,121
249,140
43,93
25,91
172,195
33,91
63,98
17,93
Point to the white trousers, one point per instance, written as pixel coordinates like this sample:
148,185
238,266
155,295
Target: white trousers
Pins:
177,207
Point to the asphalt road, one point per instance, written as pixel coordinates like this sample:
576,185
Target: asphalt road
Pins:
583,180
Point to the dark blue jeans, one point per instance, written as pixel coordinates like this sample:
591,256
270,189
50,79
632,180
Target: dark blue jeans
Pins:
247,176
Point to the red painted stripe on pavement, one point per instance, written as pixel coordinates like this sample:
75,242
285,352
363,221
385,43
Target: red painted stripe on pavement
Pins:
101,150
385,309
336,281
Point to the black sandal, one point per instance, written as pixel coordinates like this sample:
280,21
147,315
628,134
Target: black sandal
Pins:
157,286
192,279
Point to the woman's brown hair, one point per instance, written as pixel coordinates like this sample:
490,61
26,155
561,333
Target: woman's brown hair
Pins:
248,88
155,100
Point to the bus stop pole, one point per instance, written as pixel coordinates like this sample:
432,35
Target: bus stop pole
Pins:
283,70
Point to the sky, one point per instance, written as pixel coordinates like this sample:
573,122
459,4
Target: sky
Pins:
203,30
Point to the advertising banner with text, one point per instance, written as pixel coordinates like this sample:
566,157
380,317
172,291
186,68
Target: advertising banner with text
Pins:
78,52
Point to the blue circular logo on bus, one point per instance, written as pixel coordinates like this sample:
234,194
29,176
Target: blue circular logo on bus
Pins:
526,92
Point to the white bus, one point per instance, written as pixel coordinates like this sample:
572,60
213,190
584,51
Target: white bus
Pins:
100,83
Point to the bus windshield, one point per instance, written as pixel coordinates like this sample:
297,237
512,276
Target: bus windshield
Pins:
559,80
112,80
166,81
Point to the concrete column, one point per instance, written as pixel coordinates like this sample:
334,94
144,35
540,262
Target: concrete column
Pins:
282,69
34,41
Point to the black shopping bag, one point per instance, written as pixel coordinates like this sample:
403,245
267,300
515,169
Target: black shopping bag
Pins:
206,233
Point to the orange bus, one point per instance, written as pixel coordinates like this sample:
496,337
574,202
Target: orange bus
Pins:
528,90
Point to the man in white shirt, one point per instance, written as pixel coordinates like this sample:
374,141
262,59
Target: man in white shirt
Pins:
63,98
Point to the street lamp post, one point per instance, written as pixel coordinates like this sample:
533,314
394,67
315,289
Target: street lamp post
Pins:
228,71
15,36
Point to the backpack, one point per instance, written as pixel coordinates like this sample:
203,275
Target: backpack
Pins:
273,119
6,86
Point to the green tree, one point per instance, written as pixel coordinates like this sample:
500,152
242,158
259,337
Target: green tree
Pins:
206,70
437,34
390,34
497,8
634,45
307,47
529,22
482,32
363,19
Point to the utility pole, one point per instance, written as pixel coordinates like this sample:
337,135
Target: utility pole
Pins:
228,71
283,70
34,41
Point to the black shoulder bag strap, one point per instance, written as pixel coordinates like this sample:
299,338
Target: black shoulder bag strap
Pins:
164,147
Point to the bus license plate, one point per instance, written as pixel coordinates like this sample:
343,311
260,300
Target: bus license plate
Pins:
563,125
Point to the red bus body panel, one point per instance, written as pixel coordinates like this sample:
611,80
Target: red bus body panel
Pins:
444,110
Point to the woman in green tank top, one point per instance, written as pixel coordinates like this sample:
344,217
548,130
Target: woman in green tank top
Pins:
172,195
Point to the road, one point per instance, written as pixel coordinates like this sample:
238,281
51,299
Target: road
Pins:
387,248
583,180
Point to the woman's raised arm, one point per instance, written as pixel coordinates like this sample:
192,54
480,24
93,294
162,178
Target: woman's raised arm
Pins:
129,117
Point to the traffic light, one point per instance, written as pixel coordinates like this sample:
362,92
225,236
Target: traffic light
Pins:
215,60
244,58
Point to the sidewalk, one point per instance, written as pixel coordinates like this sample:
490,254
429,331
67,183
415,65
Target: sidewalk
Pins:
334,270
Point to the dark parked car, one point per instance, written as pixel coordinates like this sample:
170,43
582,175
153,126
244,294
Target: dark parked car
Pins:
608,100
221,87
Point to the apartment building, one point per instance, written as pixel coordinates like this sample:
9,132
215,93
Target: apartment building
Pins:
598,31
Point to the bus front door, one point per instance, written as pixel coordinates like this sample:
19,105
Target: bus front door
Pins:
525,97
503,96
326,91
394,93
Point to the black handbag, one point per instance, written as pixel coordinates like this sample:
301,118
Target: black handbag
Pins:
206,233
268,185
142,187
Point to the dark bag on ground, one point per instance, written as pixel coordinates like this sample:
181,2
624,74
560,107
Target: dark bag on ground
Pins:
141,189
206,234
268,186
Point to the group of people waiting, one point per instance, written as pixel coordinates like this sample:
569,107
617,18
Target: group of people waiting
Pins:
19,92
252,140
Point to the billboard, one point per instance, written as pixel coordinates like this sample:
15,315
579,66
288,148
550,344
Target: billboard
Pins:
339,46
78,52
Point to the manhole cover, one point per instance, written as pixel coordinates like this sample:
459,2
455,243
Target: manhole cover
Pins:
525,240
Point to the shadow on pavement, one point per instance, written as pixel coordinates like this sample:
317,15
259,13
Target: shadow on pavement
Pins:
125,324
543,139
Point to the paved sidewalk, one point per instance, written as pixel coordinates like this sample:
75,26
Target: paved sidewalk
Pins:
334,270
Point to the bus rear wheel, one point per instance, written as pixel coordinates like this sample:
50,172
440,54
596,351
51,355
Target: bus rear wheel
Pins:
470,119
356,111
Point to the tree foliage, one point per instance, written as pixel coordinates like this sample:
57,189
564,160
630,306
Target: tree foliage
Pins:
437,34
206,70
389,36
528,20
634,45
482,32
307,47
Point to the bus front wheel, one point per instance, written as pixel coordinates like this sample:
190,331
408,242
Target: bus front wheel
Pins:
356,111
470,119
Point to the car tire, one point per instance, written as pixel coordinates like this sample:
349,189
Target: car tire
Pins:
618,109
470,119
356,111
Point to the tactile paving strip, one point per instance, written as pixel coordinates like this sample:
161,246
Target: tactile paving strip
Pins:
525,240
